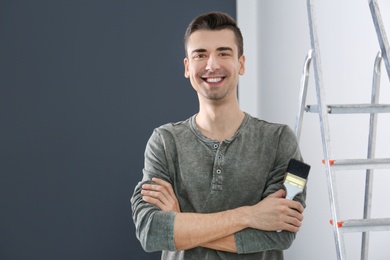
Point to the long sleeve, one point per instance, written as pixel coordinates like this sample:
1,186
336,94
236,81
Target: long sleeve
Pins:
251,240
209,176
154,228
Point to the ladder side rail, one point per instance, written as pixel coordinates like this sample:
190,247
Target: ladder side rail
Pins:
371,153
340,248
381,33
302,95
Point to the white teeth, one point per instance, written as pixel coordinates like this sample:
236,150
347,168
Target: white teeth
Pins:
213,80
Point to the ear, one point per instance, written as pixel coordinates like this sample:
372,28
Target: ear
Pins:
241,60
186,73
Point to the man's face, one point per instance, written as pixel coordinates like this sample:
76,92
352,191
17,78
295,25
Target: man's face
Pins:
212,64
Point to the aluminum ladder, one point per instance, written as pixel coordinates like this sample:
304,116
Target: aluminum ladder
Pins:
366,224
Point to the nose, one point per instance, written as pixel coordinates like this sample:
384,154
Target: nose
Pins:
212,63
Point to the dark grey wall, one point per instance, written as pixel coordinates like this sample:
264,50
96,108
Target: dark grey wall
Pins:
82,85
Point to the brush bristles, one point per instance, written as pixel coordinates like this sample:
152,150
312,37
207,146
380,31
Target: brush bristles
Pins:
298,168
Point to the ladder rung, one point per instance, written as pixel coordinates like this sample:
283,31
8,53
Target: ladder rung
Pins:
352,109
356,164
362,225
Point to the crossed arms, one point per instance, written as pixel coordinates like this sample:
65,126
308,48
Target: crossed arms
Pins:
243,228
216,230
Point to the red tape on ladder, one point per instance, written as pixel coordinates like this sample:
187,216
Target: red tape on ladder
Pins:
331,162
339,224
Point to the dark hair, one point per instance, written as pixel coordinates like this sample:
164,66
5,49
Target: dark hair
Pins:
215,21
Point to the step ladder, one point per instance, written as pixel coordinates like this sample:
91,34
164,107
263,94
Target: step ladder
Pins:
366,224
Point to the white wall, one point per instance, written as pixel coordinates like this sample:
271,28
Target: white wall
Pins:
249,92
277,39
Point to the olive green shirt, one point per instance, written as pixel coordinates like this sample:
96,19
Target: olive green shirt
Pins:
210,176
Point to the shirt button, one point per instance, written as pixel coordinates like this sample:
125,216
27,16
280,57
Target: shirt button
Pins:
219,171
215,146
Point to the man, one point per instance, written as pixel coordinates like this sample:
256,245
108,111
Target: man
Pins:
212,185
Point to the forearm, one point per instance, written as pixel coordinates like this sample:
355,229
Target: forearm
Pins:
227,244
193,229
253,240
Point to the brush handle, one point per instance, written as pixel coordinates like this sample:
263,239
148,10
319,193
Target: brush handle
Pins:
291,191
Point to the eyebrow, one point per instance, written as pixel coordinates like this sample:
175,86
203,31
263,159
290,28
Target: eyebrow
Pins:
224,49
218,49
198,50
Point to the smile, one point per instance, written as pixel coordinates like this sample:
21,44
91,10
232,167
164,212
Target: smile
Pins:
213,80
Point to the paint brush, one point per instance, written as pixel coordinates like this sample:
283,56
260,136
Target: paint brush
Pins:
295,178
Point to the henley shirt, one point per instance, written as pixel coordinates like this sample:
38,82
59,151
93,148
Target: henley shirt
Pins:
210,176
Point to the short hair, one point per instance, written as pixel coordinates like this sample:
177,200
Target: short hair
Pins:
215,21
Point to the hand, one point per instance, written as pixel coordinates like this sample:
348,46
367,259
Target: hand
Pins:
276,213
161,195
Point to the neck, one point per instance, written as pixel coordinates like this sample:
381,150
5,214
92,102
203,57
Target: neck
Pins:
219,121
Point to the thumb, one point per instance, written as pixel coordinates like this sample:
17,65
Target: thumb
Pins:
278,194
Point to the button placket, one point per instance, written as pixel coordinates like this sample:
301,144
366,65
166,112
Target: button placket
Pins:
217,170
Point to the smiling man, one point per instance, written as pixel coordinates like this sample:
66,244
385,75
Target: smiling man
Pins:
212,185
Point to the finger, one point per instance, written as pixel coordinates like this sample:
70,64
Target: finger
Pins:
155,187
292,211
291,224
295,222
278,194
165,184
292,204
291,228
153,201
290,219
169,192
155,193
298,217
297,206
152,190
159,200
148,186
163,191
160,185
164,194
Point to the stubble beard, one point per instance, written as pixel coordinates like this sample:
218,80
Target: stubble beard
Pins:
215,95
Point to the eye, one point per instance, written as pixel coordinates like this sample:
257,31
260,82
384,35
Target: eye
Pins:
200,56
224,54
